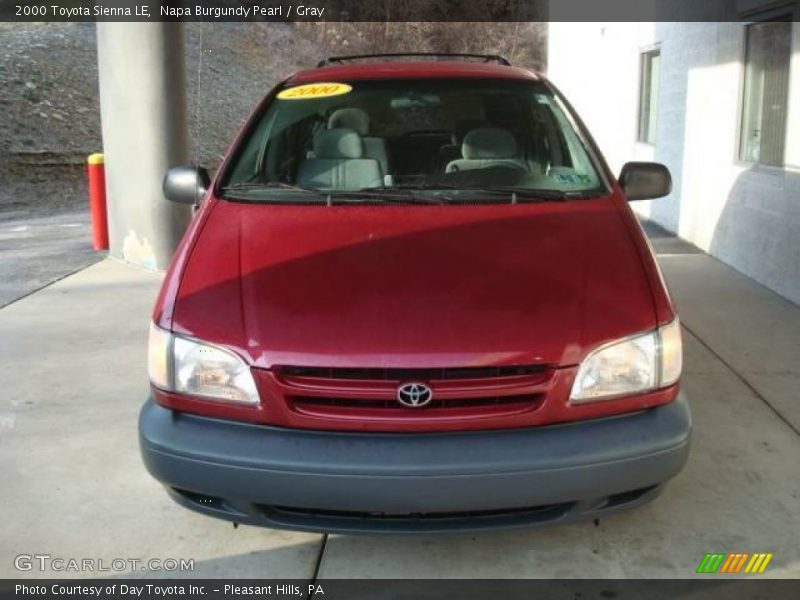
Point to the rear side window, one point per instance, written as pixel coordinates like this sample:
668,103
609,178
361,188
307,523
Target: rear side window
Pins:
414,134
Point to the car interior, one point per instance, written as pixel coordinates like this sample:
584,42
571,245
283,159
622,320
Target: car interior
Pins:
383,139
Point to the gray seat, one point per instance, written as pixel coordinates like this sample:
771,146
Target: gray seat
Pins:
485,148
339,163
452,151
358,120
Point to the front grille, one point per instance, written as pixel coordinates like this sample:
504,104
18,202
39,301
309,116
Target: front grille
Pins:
391,403
540,513
426,374
468,393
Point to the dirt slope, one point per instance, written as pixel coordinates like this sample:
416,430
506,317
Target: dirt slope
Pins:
49,108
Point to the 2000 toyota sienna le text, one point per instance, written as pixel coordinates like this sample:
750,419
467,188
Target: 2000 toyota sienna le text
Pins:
414,298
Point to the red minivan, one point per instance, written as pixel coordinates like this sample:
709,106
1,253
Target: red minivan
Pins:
414,298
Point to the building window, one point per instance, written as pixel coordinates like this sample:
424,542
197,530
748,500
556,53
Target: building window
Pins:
648,95
766,92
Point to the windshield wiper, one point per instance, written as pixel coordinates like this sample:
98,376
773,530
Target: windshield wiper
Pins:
385,195
517,194
405,194
520,194
266,185
390,194
532,195
425,186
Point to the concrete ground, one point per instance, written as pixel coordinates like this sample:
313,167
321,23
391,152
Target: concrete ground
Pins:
72,366
35,251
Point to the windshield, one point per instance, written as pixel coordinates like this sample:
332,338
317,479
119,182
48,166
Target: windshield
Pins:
448,137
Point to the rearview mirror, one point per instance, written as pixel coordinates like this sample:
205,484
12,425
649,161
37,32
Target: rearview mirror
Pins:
186,185
645,180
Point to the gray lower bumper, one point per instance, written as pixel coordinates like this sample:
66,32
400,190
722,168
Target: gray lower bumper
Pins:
359,482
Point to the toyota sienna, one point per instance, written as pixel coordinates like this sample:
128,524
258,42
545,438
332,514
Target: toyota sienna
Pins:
414,298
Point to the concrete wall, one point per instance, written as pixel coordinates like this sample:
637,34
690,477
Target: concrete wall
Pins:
143,109
746,215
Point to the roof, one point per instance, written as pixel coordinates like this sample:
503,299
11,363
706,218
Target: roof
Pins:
420,69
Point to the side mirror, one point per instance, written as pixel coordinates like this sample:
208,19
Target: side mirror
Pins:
186,185
645,180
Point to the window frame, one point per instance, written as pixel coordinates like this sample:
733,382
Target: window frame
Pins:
778,14
645,67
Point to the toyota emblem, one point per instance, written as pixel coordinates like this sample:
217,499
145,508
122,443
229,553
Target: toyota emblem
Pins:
414,395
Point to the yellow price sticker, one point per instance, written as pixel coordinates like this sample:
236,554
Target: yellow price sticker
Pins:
314,90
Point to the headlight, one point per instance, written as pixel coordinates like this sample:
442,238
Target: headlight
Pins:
191,367
632,365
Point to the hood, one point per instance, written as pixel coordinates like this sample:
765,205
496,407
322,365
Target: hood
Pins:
411,286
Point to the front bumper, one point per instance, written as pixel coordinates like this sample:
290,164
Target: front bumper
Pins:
409,483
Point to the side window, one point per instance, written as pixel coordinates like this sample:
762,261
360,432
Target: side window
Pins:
251,159
649,72
569,163
766,92
288,143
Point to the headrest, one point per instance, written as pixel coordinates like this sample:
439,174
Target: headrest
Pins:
464,126
338,143
350,118
489,142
